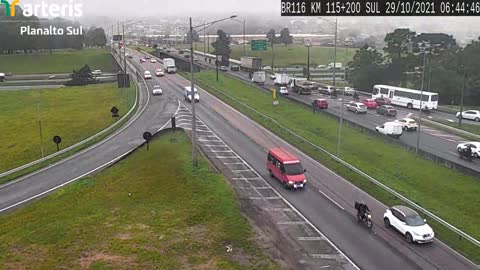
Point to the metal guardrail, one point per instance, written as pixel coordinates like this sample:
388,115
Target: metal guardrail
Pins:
9,172
358,171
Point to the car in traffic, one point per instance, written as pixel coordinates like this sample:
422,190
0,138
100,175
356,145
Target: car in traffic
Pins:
153,60
97,72
387,110
224,68
348,91
181,51
327,90
142,60
391,129
2,77
186,55
188,94
356,107
408,223
407,124
382,101
370,103
272,77
235,68
195,59
130,56
159,72
267,68
470,115
157,90
320,103
475,146
147,75
286,168
283,91
147,57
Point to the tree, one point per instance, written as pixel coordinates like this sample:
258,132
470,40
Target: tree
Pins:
399,43
366,69
221,46
81,77
271,36
95,37
285,37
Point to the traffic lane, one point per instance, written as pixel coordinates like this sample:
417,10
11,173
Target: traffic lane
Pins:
114,146
338,225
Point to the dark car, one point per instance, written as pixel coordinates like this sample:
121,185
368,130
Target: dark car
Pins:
181,52
235,68
320,103
186,55
387,110
382,101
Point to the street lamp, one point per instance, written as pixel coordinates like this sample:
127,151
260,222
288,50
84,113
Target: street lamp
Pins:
424,47
125,81
308,61
244,39
335,24
192,84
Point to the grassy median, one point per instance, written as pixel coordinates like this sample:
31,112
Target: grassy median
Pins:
61,61
151,210
73,113
446,192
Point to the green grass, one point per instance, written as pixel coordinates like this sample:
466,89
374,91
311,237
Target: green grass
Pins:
465,125
445,192
151,210
63,61
73,113
291,55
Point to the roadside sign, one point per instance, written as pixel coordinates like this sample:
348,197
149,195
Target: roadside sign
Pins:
258,45
114,111
117,37
147,136
57,140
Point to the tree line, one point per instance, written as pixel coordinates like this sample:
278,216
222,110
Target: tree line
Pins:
11,40
411,60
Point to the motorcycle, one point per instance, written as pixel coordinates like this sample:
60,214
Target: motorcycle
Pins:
365,218
426,110
464,153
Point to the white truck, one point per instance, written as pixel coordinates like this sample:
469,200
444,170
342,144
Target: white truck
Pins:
169,64
250,63
259,77
2,77
390,129
281,79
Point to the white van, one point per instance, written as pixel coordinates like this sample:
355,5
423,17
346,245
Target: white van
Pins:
2,77
188,94
391,129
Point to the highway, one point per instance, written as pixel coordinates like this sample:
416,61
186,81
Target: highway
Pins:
327,200
433,141
152,114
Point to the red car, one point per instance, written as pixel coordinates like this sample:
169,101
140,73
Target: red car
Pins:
370,103
382,101
320,104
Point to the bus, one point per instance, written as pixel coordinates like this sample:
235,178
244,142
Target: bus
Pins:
405,97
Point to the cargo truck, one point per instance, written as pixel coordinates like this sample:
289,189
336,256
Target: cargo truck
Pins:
303,87
251,63
281,79
169,64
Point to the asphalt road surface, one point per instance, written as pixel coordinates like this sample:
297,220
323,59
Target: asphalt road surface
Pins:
327,200
433,141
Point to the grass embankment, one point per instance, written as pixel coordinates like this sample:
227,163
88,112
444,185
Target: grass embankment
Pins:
465,126
63,61
73,113
291,55
446,192
151,210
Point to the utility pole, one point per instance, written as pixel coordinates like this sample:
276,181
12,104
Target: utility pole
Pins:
244,39
40,128
421,99
273,52
335,56
308,62
462,95
192,92
124,59
204,41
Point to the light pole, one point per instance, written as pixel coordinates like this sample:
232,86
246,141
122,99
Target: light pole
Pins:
308,62
244,40
335,24
125,80
192,85
424,46
462,95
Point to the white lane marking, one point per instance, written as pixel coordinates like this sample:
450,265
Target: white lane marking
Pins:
310,238
246,178
330,199
239,171
291,223
219,151
326,256
207,140
233,163
277,209
264,198
224,157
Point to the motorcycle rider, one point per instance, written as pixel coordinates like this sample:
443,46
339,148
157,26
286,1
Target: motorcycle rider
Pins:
355,95
363,210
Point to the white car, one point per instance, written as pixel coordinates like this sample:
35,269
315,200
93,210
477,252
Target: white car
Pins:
157,90
188,94
283,90
153,60
356,107
273,77
267,68
407,124
224,68
409,224
147,75
470,115
97,72
159,72
475,146
391,129
349,91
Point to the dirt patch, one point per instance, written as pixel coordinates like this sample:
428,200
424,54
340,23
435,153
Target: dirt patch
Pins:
90,258
123,236
137,226
211,264
16,266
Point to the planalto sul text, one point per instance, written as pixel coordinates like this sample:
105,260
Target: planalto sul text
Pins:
51,31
